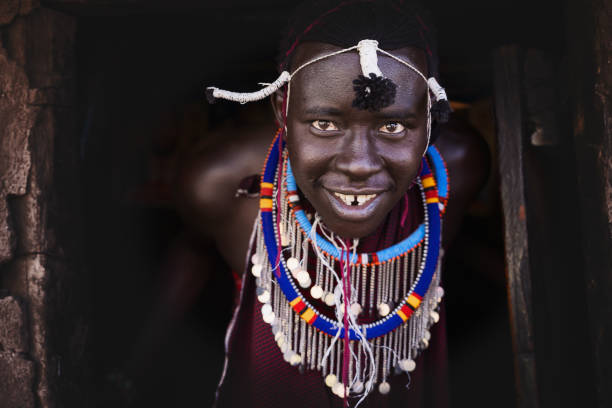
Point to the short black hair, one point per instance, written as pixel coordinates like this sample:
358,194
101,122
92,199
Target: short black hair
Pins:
343,23
393,23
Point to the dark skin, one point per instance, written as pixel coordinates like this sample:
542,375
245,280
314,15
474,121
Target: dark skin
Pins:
333,147
368,153
337,149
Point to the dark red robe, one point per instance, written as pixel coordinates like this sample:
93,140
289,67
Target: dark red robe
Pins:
257,376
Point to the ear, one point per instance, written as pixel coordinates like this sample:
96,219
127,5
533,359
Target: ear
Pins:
277,105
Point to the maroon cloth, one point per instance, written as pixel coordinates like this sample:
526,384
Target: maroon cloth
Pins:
257,376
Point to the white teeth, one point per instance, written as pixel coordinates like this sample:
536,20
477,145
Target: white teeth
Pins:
349,199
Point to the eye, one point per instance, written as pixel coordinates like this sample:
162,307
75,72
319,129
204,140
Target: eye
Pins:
325,125
392,127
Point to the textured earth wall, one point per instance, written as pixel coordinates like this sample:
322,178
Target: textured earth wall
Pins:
43,292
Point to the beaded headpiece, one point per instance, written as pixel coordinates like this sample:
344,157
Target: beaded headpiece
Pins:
373,91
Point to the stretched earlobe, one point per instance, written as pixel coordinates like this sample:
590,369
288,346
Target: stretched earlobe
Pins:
277,99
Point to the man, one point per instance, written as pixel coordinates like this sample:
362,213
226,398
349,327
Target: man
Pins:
356,117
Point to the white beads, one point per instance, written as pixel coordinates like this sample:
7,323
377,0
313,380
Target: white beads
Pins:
384,388
303,278
292,264
357,387
266,309
435,316
264,297
383,309
269,318
339,389
355,310
256,270
331,380
407,364
295,359
316,292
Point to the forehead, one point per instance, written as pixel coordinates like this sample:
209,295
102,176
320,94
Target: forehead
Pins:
331,79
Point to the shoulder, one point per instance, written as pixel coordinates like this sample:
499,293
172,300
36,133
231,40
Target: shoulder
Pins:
210,175
468,161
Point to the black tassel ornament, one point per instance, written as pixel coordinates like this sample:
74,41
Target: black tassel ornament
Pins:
373,93
440,111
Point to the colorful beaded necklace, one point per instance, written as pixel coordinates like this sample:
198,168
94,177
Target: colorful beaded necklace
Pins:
305,335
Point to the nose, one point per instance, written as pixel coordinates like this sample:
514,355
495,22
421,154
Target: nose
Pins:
358,157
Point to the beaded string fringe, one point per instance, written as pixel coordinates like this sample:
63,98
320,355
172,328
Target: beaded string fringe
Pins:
402,291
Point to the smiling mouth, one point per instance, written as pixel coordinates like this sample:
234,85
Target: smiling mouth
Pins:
355,200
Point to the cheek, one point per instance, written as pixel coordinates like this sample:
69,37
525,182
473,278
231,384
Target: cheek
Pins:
309,154
404,162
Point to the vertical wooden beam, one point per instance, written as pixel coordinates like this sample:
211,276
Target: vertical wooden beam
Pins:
589,38
511,139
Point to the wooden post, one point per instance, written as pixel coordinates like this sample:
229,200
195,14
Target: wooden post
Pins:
589,81
511,138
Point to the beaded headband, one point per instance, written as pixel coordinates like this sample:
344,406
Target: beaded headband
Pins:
373,90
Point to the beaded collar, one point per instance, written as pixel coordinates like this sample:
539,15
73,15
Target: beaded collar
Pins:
284,237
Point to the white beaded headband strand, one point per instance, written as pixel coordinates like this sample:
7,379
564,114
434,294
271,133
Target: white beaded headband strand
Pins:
368,60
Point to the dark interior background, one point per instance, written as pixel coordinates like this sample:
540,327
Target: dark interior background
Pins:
142,68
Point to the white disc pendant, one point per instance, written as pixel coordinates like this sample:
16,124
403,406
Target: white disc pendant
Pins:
407,364
264,297
435,316
256,270
269,318
384,388
255,259
358,387
329,299
355,309
280,341
295,359
292,264
338,389
266,309
316,292
331,380
303,279
439,292
302,275
427,335
383,309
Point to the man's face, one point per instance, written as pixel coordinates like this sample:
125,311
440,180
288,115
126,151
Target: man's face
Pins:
354,165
